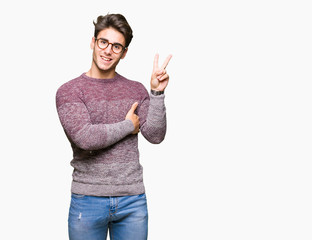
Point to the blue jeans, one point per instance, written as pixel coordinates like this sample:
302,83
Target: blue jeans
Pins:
90,217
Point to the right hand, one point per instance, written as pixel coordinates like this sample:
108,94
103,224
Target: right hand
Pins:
160,78
134,118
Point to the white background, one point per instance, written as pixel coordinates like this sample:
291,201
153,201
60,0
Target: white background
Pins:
236,161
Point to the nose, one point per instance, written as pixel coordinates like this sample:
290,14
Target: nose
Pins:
108,49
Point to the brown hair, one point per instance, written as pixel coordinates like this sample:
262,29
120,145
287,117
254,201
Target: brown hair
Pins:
116,21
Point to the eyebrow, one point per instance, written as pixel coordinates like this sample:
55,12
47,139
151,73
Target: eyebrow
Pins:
110,42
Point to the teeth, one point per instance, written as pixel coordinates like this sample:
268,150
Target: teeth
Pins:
106,59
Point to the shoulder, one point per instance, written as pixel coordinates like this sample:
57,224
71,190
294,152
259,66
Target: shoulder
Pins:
70,90
134,86
71,85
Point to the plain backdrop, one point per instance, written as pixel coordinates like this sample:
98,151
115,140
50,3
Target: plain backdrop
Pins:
236,161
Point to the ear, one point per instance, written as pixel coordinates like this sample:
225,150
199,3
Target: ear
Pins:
92,43
124,53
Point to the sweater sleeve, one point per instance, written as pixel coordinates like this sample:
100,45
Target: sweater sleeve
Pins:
75,119
153,126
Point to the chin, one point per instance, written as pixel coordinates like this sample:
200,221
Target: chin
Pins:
104,67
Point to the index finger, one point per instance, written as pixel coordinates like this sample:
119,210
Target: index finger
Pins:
166,62
155,66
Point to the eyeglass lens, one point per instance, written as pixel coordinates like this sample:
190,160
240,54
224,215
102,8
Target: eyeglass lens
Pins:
103,43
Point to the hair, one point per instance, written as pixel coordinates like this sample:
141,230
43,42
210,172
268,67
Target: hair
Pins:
116,21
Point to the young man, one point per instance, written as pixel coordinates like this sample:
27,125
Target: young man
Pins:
102,113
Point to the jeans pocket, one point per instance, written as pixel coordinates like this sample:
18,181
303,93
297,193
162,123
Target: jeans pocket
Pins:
77,196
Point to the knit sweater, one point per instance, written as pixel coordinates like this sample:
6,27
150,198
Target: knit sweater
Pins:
105,152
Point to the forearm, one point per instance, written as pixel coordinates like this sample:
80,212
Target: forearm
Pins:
78,127
154,128
94,137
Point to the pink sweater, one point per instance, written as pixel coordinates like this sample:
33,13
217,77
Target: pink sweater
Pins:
105,153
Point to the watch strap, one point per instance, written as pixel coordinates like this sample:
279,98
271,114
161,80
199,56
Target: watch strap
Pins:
156,93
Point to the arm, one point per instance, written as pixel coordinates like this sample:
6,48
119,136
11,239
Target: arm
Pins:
76,122
154,128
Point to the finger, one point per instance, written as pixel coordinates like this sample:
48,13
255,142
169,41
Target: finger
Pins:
166,62
134,106
164,77
156,61
161,72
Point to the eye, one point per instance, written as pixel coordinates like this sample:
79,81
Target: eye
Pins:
117,47
103,41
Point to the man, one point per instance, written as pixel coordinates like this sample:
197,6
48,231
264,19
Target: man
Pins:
102,113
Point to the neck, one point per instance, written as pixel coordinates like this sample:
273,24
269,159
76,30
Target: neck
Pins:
95,72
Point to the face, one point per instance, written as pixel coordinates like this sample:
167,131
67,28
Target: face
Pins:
105,60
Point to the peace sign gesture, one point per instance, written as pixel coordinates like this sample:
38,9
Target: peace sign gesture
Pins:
160,78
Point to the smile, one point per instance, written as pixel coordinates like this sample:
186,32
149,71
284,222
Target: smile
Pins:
106,59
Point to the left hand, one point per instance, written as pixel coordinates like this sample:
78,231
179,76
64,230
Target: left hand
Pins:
160,78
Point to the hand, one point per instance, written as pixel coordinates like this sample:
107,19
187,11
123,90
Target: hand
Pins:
134,118
160,78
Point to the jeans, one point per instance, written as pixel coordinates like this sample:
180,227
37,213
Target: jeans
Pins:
91,217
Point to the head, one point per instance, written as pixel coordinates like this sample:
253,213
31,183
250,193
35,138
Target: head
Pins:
114,30
116,21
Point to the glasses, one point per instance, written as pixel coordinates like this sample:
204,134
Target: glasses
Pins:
104,43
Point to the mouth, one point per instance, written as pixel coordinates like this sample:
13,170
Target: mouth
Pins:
106,59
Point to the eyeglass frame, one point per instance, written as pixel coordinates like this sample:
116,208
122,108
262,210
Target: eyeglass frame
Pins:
97,43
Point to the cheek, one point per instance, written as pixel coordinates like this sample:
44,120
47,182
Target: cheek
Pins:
96,56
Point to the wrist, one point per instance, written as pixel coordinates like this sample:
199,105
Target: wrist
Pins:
157,92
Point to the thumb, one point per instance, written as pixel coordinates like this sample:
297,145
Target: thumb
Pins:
134,106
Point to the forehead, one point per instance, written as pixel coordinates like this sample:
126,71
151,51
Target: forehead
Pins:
112,35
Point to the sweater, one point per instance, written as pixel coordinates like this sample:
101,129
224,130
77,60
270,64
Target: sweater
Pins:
105,152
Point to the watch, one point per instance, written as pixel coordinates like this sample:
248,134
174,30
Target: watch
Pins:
156,93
